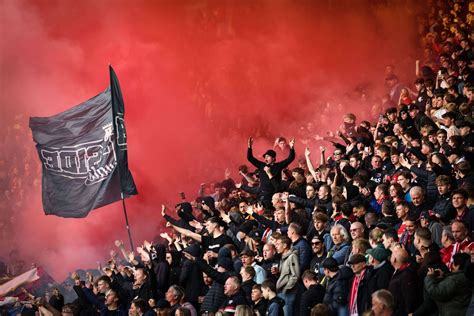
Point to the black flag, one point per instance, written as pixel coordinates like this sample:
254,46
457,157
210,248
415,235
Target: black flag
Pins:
83,152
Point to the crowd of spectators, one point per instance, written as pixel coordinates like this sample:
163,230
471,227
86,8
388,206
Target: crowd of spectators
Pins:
380,227
18,173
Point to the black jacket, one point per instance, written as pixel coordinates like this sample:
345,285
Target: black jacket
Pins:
266,185
388,221
247,289
364,291
161,269
405,291
429,178
444,208
308,204
380,277
337,290
231,302
415,211
192,281
261,306
146,291
314,295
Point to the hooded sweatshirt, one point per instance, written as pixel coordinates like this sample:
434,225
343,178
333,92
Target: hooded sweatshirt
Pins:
275,307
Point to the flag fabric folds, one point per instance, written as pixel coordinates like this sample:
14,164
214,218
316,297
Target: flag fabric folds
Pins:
20,281
35,280
83,152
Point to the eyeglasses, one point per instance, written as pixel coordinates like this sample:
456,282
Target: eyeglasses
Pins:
316,243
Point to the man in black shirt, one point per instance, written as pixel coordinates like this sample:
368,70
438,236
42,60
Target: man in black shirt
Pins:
267,186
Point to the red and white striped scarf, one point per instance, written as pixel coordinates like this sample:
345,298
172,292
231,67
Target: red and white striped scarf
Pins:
354,290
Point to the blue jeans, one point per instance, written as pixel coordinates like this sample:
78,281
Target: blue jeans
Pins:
289,299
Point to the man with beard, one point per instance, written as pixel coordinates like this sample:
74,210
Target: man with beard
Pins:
319,254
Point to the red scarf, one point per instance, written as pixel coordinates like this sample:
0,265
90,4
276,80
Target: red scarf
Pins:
354,290
460,247
402,267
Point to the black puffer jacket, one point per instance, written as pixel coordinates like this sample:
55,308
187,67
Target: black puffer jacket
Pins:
337,290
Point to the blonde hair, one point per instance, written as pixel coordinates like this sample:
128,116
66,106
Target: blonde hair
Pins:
376,235
243,310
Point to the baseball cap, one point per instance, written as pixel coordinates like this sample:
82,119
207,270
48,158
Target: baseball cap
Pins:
271,153
379,253
358,258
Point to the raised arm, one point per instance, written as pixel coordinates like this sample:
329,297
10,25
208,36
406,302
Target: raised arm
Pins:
323,158
285,163
344,138
250,157
188,233
247,178
337,176
309,163
121,247
265,222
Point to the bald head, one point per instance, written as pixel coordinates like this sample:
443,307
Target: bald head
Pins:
459,231
357,230
399,257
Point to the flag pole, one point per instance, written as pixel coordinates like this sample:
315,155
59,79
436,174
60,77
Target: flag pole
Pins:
126,223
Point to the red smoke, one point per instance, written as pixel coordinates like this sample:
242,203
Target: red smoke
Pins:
198,77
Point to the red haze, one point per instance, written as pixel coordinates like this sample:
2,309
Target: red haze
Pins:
198,78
